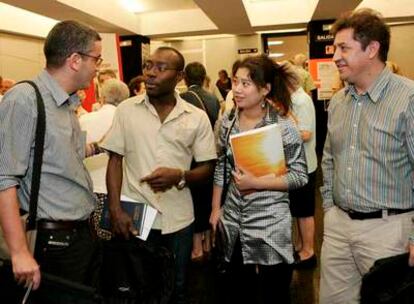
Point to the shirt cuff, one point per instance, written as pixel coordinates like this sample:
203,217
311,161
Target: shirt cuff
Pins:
411,238
7,183
327,204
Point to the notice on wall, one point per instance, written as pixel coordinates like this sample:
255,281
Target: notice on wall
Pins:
324,74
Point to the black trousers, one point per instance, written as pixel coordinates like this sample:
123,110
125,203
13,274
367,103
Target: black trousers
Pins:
256,283
71,254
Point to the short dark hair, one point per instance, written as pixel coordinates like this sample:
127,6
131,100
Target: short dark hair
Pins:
194,73
181,60
224,72
283,81
65,38
368,26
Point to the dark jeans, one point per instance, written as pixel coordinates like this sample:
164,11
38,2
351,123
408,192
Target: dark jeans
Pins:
250,283
180,244
69,254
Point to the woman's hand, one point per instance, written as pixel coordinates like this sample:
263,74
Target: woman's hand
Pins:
214,218
245,181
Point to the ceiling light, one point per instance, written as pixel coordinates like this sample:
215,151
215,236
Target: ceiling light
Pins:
275,42
199,37
133,6
274,55
294,30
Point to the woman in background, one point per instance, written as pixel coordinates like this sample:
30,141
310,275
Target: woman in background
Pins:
255,215
223,83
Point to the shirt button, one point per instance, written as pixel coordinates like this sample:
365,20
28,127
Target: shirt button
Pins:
352,147
355,125
359,104
349,168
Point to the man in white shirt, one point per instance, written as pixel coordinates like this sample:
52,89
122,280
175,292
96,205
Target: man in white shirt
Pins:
153,139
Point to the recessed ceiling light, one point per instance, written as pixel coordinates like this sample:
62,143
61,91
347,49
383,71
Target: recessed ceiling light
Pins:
275,42
274,55
294,30
133,6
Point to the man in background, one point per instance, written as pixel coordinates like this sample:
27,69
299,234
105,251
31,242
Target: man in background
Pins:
305,77
194,76
6,85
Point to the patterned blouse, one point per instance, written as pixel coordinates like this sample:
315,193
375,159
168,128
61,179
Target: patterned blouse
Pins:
261,219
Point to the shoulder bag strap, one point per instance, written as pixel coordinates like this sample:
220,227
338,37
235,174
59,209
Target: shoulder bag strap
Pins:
38,157
199,100
226,182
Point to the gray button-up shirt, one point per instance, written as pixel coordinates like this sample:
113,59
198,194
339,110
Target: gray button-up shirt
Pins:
65,188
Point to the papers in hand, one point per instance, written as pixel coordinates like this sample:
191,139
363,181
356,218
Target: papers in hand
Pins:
142,215
260,151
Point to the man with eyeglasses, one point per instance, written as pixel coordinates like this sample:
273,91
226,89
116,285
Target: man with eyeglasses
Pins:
153,139
64,245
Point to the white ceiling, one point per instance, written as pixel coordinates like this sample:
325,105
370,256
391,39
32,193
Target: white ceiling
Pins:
169,18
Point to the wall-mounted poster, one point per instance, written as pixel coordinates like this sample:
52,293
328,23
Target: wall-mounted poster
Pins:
324,73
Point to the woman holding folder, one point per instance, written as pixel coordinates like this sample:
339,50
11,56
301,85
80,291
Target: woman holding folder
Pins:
254,210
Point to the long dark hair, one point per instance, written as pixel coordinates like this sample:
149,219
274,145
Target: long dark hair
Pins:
283,81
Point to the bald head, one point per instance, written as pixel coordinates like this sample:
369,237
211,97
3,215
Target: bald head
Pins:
6,84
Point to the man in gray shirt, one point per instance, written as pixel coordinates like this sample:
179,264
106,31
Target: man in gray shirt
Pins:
64,246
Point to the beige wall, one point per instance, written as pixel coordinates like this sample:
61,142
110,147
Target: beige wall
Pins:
401,50
20,57
215,53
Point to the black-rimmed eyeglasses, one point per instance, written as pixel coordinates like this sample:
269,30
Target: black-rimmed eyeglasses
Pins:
159,66
98,59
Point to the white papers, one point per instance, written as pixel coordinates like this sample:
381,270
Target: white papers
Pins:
149,218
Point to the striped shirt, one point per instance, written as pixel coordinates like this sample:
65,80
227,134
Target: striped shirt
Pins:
66,188
368,161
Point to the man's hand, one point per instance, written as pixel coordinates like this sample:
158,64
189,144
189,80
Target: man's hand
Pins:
121,223
411,256
162,179
26,269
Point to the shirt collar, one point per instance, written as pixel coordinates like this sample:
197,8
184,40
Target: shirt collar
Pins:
376,89
180,107
59,95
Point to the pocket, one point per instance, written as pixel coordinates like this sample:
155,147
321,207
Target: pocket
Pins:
57,241
406,226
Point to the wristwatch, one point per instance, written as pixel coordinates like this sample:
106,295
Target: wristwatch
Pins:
182,183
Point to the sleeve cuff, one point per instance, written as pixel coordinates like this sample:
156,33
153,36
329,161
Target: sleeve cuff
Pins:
8,183
411,238
327,204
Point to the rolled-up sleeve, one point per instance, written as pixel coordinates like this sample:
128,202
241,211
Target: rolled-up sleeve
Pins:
114,140
204,147
222,147
17,125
